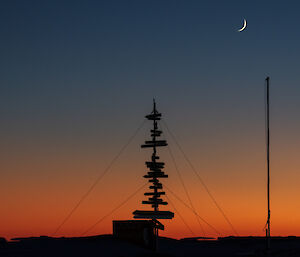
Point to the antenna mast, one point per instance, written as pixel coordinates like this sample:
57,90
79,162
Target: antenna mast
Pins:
153,175
268,229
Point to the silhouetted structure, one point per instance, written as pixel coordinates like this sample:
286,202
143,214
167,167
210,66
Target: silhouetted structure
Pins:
153,175
268,228
140,231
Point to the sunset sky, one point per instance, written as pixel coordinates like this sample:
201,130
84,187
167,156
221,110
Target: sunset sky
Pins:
78,77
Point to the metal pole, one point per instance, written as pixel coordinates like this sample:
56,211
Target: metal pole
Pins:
268,234
156,245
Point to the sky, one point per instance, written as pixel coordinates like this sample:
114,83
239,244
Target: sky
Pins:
78,77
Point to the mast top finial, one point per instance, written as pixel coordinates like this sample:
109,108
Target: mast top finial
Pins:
154,105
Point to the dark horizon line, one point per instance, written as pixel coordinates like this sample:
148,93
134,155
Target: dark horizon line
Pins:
99,236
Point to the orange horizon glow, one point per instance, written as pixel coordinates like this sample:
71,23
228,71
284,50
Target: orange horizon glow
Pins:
241,195
43,182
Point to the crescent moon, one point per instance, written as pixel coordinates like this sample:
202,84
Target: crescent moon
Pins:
244,26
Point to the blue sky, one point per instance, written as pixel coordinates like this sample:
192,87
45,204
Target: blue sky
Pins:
74,67
86,55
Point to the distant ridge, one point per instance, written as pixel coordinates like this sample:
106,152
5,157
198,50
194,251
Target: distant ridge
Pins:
108,245
259,238
110,236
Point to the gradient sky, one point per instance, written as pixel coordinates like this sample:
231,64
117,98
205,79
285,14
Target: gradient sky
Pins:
77,78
